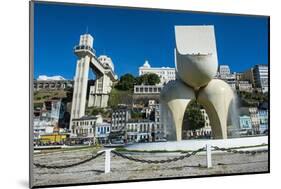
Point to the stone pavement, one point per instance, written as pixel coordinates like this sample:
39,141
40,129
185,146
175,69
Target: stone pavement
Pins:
122,169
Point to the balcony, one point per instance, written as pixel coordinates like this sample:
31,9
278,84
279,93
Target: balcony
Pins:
79,48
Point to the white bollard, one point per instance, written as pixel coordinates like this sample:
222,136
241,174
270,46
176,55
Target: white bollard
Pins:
106,160
209,155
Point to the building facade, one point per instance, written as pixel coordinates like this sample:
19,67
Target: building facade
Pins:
147,89
102,132
139,131
51,83
155,116
165,74
144,131
263,117
223,71
91,129
238,76
119,119
245,122
255,120
245,86
258,76
84,128
48,117
261,77
249,76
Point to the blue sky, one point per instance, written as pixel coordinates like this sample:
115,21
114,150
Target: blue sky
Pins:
131,36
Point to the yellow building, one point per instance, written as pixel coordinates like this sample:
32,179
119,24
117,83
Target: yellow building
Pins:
53,138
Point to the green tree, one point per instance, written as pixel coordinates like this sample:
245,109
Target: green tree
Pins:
255,98
148,79
120,97
126,82
95,111
136,115
193,118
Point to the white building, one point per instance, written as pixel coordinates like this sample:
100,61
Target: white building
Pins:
139,131
102,131
47,118
41,127
84,127
144,131
165,73
245,86
149,129
119,118
91,128
224,71
254,115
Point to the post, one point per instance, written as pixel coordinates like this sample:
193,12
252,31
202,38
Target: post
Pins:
106,160
209,155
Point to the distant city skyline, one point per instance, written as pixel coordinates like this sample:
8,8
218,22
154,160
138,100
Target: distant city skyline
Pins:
131,36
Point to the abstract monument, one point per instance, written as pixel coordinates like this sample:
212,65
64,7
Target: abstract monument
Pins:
196,65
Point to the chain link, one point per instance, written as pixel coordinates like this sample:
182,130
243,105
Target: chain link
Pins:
70,165
229,150
157,161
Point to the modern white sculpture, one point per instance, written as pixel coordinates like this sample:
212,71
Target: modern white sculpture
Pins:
196,65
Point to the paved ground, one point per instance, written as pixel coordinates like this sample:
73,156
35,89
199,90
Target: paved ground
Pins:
122,169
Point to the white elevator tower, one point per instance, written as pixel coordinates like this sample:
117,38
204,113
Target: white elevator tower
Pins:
103,69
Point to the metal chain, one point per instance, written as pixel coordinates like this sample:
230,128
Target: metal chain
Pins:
70,165
157,161
229,150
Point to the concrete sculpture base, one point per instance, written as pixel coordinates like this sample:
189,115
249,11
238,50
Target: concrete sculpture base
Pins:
177,95
216,98
196,66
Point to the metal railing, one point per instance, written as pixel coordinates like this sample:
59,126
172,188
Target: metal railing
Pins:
84,47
